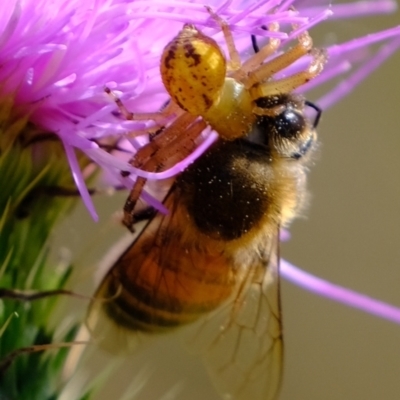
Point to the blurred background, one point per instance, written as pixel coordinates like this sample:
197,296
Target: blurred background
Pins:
349,236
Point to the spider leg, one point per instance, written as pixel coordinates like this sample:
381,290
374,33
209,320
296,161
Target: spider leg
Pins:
163,139
234,62
292,82
164,157
158,117
270,68
255,61
166,147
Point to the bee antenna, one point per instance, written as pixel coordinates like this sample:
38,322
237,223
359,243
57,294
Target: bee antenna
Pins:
317,109
254,43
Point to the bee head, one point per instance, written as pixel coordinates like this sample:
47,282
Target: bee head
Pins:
284,126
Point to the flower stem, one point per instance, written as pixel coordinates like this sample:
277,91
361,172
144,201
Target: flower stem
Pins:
29,214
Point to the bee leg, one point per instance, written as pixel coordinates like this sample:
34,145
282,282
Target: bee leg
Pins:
145,214
131,217
163,158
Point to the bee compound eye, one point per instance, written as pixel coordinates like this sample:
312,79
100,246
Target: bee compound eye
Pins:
290,123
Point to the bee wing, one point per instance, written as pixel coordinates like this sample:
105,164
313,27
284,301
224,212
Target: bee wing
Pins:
162,281
116,335
241,343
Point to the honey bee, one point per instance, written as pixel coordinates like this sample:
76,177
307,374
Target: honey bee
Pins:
213,260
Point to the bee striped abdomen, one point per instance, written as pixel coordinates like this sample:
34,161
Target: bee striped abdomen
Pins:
155,288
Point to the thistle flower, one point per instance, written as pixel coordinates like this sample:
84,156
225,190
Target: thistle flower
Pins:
56,59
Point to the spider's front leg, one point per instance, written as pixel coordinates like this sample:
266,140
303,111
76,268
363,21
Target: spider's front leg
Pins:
170,146
261,84
164,149
159,117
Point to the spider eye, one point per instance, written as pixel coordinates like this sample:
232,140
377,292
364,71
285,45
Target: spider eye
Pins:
289,124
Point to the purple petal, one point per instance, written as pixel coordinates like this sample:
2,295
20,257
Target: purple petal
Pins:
79,180
339,294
